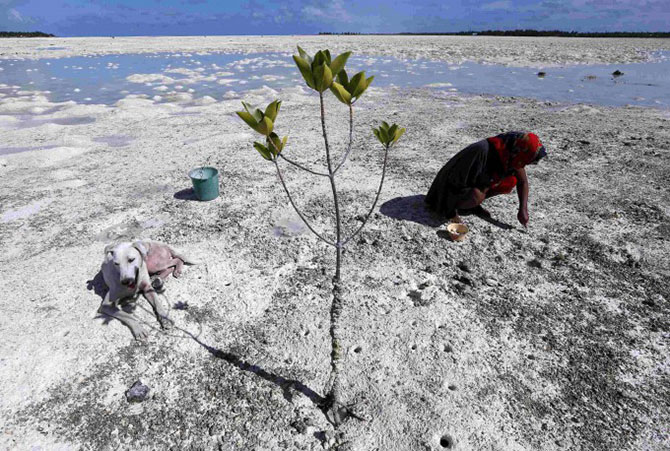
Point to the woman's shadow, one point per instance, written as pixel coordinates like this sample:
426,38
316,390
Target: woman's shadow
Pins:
411,208
414,209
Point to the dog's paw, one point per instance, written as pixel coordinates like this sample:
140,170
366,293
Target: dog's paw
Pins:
158,285
176,273
166,323
140,333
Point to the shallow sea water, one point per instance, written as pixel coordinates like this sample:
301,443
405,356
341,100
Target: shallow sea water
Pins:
109,78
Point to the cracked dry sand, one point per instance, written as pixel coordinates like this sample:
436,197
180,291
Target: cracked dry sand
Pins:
552,339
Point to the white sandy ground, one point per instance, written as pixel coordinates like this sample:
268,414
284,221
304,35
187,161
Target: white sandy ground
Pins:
513,51
552,339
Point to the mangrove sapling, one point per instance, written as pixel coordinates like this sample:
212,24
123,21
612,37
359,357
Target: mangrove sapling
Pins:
320,73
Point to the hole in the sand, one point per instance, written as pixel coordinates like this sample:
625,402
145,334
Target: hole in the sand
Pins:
413,347
446,442
358,349
448,348
452,387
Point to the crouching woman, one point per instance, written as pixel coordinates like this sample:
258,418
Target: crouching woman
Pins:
485,169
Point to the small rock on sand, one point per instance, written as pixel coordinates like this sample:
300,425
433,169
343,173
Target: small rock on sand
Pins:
138,392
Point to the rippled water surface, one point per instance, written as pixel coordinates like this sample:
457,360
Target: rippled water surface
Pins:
108,78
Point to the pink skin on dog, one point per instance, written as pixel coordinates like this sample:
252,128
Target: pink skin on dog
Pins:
163,260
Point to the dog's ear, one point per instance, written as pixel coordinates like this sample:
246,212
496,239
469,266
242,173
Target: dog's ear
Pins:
110,247
141,248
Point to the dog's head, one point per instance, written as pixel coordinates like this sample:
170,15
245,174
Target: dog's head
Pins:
126,259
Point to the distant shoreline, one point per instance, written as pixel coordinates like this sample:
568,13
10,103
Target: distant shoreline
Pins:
515,33
521,33
25,34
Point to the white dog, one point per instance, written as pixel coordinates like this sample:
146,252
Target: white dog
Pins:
126,271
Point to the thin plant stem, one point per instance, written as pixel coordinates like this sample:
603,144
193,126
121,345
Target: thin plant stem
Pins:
297,210
333,388
331,176
374,204
351,139
300,166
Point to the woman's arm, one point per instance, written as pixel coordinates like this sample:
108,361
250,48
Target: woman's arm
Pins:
522,192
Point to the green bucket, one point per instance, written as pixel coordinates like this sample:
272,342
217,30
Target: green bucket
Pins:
205,182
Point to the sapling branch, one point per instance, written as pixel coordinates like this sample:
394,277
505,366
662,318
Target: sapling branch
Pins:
374,204
351,139
300,166
297,210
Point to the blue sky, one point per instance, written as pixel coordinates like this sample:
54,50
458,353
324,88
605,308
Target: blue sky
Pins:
210,17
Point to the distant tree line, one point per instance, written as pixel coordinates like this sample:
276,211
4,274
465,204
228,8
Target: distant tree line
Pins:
559,33
25,34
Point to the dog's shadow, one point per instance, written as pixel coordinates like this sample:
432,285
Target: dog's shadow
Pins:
97,285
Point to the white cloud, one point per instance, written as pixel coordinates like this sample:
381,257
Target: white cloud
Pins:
332,10
14,15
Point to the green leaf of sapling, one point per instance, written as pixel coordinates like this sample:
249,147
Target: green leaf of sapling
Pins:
274,144
305,70
255,112
265,126
249,108
258,114
304,55
398,134
379,137
264,151
323,78
319,59
248,118
391,131
362,86
341,93
354,82
338,64
343,79
368,82
384,134
272,110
